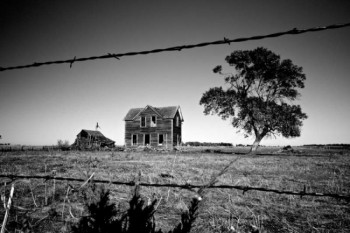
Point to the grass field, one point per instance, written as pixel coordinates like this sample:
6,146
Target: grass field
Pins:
46,207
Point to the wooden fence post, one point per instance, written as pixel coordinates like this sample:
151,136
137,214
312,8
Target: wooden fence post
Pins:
7,209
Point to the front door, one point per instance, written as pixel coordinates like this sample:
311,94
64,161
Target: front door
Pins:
147,139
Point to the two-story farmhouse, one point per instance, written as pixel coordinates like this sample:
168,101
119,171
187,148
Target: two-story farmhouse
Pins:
156,127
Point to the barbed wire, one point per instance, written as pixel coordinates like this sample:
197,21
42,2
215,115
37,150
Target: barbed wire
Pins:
294,31
185,186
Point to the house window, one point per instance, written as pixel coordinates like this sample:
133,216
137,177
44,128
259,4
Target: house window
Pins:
177,121
134,139
160,139
147,139
154,121
143,121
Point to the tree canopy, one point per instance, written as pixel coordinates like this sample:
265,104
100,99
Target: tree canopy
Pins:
259,94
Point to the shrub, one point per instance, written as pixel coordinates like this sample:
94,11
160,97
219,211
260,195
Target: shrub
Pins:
63,145
287,148
208,144
100,218
104,217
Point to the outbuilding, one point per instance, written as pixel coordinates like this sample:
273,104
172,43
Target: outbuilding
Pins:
92,139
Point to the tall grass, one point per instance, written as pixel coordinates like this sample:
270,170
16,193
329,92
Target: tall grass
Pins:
220,211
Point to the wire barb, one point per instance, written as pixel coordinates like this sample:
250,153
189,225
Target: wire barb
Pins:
72,61
294,31
227,41
114,55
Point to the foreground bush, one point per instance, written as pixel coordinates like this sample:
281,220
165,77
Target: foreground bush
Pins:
104,217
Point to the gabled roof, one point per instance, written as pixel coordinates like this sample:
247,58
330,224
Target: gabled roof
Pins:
155,110
96,134
132,113
92,133
164,112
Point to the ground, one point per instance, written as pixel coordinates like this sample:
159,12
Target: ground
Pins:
46,207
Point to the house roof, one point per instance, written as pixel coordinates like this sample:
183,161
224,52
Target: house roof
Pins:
92,132
96,134
164,112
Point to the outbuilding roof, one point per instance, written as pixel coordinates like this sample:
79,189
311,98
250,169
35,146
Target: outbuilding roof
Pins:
164,112
97,134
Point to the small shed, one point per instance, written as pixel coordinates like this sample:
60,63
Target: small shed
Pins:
88,139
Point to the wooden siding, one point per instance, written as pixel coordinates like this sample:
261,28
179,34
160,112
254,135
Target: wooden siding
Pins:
167,127
163,127
177,130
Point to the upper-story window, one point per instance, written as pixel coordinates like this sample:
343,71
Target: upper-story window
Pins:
143,121
177,121
154,121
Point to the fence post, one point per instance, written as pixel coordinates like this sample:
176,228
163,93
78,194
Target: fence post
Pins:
7,209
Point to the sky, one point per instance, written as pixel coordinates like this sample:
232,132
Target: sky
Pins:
41,105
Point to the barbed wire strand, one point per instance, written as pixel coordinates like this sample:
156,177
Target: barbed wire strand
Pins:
187,186
294,31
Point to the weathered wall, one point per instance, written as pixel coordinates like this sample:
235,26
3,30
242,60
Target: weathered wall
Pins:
164,126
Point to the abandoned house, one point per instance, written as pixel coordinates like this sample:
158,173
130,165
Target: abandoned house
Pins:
92,139
155,127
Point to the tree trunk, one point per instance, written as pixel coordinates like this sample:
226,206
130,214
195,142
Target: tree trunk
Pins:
255,145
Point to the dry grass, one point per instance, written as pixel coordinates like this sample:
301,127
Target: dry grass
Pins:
221,210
